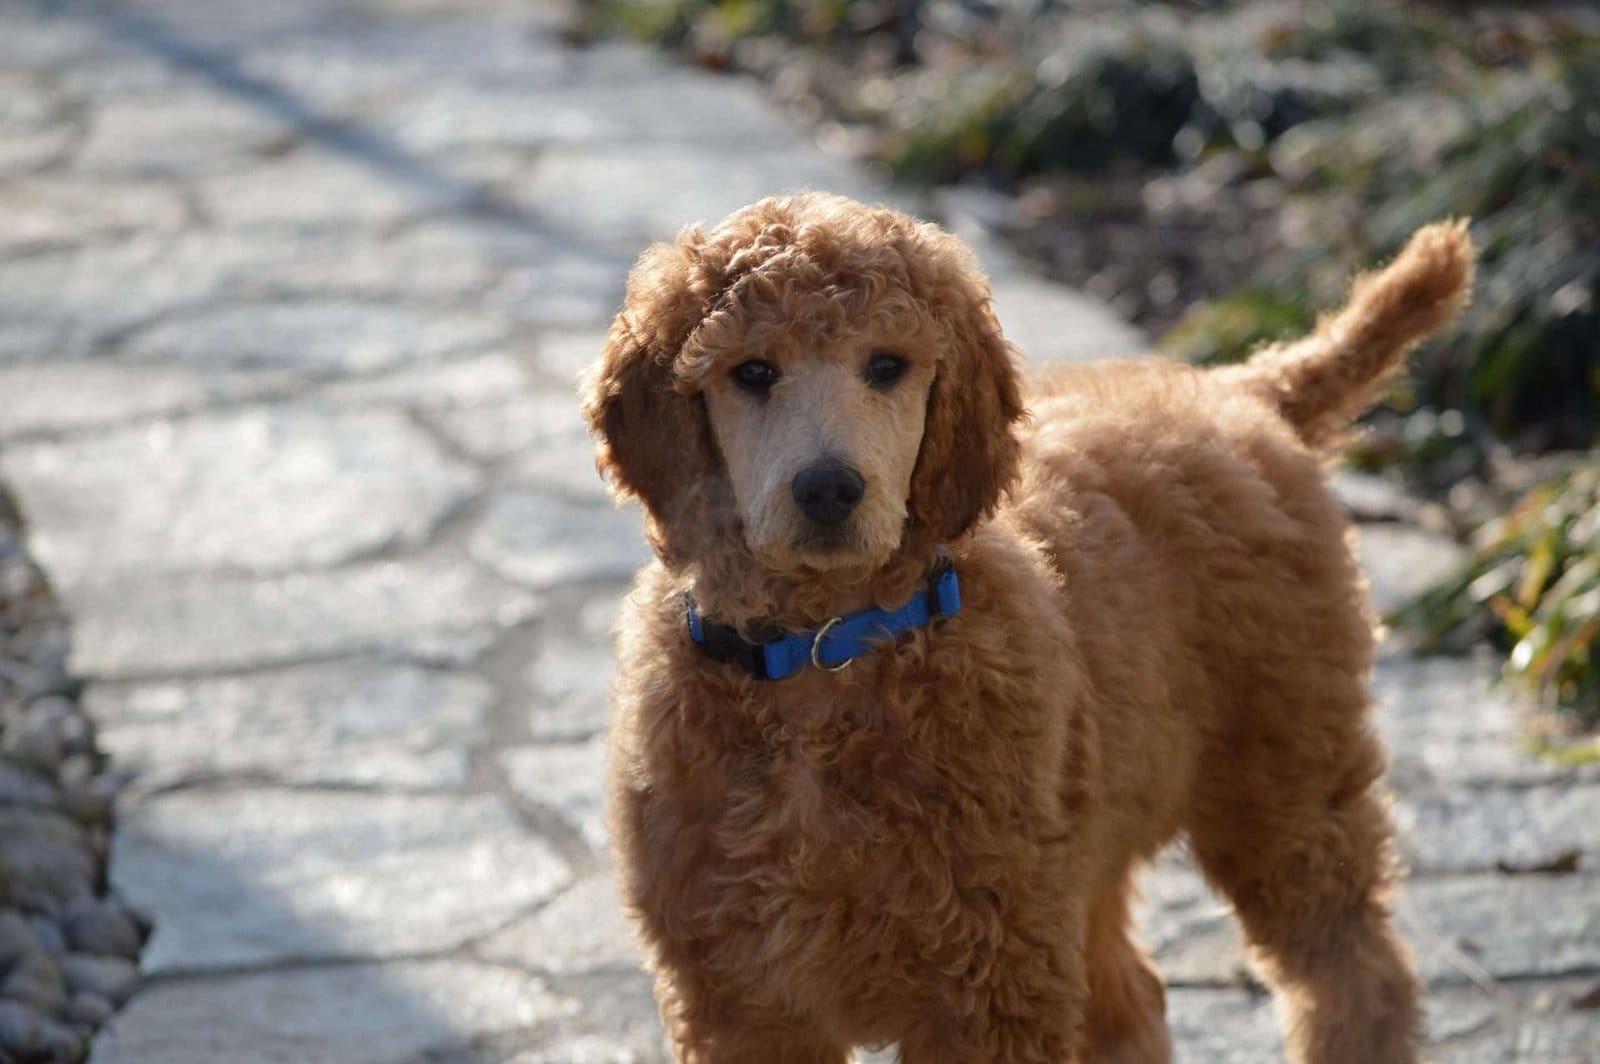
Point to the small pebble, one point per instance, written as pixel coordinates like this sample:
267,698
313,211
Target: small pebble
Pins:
112,978
36,980
47,934
88,806
89,1009
33,743
22,786
77,738
101,927
75,770
16,938
20,1026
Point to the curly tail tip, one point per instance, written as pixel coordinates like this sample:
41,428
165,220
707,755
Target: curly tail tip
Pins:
1321,382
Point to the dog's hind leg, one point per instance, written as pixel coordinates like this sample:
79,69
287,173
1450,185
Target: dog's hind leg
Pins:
1288,825
1127,1021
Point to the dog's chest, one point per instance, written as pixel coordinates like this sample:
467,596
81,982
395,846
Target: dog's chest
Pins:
829,845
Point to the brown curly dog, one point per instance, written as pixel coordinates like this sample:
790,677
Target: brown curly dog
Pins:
1160,632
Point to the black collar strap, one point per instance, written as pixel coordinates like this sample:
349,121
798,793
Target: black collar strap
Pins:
837,643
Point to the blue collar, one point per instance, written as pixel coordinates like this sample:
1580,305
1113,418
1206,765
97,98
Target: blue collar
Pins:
837,643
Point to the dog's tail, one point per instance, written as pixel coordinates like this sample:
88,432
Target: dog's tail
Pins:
1321,382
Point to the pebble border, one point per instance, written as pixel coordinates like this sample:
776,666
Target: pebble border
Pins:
69,948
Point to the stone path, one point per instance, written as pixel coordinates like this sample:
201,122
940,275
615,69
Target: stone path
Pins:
292,299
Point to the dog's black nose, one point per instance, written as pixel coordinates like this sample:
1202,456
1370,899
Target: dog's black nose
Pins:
828,491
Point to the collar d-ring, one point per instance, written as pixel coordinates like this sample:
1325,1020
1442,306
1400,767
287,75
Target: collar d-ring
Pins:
816,650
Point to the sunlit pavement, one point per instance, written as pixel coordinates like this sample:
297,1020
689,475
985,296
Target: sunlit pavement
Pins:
293,296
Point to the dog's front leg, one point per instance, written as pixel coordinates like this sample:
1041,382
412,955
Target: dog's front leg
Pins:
1028,1005
708,1026
1044,1027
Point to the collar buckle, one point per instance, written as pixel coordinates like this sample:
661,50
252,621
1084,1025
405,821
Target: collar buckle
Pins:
816,650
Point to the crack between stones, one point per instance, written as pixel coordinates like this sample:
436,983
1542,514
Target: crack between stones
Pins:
289,965
255,780
269,388
380,652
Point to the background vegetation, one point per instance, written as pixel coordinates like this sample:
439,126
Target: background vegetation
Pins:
1216,170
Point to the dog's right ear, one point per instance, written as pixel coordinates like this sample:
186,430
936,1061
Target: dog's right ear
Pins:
654,440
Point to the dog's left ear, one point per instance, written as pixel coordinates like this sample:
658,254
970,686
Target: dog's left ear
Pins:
654,440
970,455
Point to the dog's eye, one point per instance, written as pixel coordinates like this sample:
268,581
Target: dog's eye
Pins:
884,368
755,376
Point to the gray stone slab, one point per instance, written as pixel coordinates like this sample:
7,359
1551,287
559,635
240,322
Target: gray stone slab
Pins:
1465,927
549,269
1447,721
348,724
39,40
215,29
542,541
617,1023
1190,932
431,608
587,1049
256,877
1473,830
89,291
411,265
315,186
62,210
21,338
566,466
1402,561
1533,1024
566,778
36,148
1229,1026
567,289
1370,497
34,126
58,396
568,678
360,68
566,354
518,423
628,194
122,75
183,130
1517,1025
99,290
1049,323
582,931
360,1014
461,384
1460,927
266,489
684,106
316,337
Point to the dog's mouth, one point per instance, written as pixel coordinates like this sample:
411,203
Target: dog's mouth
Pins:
832,547
826,542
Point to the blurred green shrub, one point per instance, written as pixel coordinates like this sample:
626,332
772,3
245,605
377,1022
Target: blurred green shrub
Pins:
1371,116
1532,586
1519,152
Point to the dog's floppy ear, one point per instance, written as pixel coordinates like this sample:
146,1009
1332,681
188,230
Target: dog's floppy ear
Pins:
970,455
654,440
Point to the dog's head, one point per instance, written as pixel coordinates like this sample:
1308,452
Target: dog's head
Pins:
828,374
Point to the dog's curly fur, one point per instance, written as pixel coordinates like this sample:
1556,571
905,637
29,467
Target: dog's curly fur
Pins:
1163,634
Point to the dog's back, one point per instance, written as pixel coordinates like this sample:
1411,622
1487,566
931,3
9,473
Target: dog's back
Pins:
1199,546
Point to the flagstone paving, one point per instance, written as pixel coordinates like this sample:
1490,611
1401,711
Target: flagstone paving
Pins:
293,296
